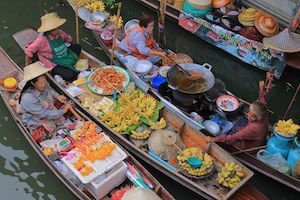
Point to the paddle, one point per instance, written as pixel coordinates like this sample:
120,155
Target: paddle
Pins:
292,102
248,150
162,37
77,22
115,34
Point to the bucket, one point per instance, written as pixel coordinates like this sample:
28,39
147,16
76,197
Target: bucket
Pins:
157,81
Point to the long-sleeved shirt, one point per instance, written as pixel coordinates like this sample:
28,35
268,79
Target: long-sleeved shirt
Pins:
138,40
43,49
39,106
253,135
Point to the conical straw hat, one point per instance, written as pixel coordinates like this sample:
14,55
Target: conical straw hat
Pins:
50,21
285,41
140,194
34,70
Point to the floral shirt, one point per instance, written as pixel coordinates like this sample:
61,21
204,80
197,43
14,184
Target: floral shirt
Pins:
43,49
136,39
38,106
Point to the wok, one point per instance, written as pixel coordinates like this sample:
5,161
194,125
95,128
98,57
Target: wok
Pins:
204,70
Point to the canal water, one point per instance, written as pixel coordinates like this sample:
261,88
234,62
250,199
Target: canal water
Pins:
24,176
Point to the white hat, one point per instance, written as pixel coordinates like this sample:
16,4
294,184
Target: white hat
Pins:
285,41
50,21
34,70
140,194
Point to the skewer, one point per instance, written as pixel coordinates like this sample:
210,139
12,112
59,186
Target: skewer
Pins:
115,34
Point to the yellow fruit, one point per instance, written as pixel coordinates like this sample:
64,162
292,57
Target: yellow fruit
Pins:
287,128
230,175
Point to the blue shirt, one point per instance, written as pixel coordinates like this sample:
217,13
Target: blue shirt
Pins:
39,106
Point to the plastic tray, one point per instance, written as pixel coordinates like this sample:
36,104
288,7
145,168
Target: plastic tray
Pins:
99,166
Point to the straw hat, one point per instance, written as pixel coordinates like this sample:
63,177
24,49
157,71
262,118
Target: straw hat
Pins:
200,4
266,24
34,70
285,41
140,194
50,21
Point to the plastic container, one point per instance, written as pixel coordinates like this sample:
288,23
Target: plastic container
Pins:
294,154
279,144
10,83
102,185
157,81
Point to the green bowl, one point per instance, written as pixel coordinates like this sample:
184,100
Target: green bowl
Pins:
99,90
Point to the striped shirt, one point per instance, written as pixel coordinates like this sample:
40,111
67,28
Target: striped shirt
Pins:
42,48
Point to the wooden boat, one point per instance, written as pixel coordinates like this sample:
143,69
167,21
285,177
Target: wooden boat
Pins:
173,14
207,187
8,67
248,159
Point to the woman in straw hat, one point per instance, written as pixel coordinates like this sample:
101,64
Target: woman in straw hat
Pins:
37,101
51,50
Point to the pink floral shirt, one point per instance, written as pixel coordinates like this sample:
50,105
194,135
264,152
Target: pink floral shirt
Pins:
43,49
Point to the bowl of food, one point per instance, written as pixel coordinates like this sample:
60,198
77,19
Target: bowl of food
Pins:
227,103
97,18
163,70
107,37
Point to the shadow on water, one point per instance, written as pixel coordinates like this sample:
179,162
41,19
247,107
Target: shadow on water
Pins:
22,174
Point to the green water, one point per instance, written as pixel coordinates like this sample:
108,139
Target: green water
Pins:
24,176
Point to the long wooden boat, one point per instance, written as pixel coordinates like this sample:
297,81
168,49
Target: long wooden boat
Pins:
207,187
8,67
248,159
175,15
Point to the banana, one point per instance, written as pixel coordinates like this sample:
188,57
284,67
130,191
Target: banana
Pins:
247,17
230,175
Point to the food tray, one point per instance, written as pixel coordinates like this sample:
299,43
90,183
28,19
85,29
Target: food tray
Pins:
99,90
99,166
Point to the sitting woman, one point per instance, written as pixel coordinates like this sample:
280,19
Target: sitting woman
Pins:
37,101
51,50
254,132
139,41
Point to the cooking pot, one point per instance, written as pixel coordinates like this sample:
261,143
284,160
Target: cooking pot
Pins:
184,86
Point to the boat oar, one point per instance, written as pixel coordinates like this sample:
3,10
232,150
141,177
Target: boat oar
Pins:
77,22
162,38
248,150
292,101
115,33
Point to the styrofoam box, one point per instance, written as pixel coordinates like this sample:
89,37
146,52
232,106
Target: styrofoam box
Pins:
103,184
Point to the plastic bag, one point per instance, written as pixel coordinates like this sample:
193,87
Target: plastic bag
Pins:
275,160
68,173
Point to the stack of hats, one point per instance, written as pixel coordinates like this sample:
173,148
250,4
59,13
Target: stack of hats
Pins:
266,24
285,41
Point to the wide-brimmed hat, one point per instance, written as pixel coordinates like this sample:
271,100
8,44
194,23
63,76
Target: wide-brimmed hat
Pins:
200,4
266,24
140,194
50,21
34,70
285,41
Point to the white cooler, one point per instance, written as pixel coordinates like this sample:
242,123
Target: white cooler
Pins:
104,183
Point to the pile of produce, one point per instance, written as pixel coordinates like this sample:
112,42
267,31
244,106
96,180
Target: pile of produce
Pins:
103,78
287,128
204,169
230,175
113,20
134,109
247,17
90,148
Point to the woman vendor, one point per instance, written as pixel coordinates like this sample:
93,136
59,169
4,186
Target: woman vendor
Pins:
256,129
37,102
140,42
51,50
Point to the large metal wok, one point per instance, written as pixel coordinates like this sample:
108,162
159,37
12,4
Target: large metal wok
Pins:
204,70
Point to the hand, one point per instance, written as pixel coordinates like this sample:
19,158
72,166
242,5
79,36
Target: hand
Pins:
161,54
67,106
62,99
261,85
209,139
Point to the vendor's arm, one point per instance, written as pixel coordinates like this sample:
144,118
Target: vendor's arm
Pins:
64,36
244,134
262,93
31,104
32,49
